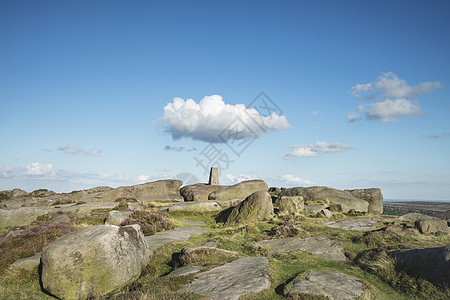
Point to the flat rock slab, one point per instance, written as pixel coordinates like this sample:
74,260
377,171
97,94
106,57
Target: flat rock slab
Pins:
355,224
186,270
159,239
232,280
196,206
334,285
321,247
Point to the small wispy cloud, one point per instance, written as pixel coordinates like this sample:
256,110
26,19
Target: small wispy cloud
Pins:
291,179
178,149
68,149
315,149
239,178
436,136
352,117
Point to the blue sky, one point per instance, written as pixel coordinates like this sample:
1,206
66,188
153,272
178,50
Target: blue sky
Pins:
97,93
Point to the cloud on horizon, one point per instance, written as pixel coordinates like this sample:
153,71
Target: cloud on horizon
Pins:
178,149
393,97
315,149
68,149
211,117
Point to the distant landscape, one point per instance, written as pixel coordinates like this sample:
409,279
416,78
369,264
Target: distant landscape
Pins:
440,209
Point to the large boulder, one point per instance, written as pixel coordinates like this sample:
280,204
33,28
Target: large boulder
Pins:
432,264
373,196
326,195
199,206
198,192
240,190
432,226
256,207
94,261
290,204
12,194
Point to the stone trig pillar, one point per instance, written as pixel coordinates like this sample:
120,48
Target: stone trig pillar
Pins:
213,176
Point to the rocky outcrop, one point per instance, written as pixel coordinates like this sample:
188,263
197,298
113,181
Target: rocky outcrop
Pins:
256,207
327,196
198,192
432,264
12,194
432,226
240,190
329,284
363,224
94,261
290,204
199,206
232,280
373,196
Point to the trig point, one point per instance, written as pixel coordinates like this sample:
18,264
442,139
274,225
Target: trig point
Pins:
213,176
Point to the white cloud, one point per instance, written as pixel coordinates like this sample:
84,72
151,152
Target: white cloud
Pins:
143,178
68,149
236,179
352,117
315,149
393,98
39,169
178,149
206,120
291,179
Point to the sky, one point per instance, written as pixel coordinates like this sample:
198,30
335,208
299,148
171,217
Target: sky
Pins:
345,94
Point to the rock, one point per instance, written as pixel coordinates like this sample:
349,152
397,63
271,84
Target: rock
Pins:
20,216
42,193
198,192
326,195
373,196
432,226
196,206
79,196
186,270
325,213
190,255
240,190
414,217
331,284
354,224
314,209
3,206
94,261
226,203
28,263
321,247
99,189
117,217
213,176
60,219
432,264
232,280
163,198
256,207
162,238
290,204
12,194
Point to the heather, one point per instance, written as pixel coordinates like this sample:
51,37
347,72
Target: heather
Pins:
150,221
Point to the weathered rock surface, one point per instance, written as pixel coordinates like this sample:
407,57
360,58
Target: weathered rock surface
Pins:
321,247
432,264
373,196
232,280
432,226
290,204
60,218
94,261
27,263
117,217
331,284
162,238
198,192
163,198
12,194
326,195
226,203
354,224
325,213
240,190
413,217
314,209
186,270
256,207
196,206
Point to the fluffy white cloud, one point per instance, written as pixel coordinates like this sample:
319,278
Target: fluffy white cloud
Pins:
208,119
315,149
236,179
352,117
68,149
143,178
291,179
39,169
393,95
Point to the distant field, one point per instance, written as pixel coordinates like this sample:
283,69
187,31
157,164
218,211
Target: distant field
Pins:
435,208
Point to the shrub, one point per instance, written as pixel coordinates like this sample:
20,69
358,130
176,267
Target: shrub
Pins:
150,221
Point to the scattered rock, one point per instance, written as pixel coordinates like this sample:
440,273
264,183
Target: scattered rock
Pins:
94,261
432,226
256,207
213,176
324,213
290,204
28,263
232,280
240,190
186,270
326,195
354,224
314,209
196,206
321,247
331,284
198,192
373,196
432,264
117,217
162,238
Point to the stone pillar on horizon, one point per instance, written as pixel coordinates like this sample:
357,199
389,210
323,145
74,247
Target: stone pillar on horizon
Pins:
213,176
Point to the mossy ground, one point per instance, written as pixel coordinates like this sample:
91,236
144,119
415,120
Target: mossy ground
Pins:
363,250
